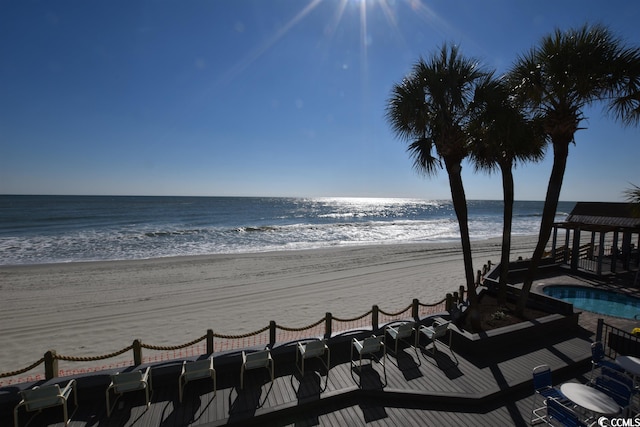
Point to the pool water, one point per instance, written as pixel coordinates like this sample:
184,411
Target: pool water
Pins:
596,300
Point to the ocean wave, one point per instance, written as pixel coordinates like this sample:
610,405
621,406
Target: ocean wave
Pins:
136,244
169,233
139,228
255,229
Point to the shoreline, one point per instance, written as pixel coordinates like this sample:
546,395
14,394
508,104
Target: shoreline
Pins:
346,247
97,307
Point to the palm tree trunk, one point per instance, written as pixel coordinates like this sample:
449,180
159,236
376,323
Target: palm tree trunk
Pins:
459,199
507,189
560,154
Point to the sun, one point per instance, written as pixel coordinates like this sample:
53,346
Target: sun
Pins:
364,8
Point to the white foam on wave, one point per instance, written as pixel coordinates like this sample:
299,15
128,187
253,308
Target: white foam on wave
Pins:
261,225
91,245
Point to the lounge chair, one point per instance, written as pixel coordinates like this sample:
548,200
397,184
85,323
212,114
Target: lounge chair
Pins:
403,332
622,377
318,349
598,359
370,347
123,382
39,398
438,329
559,414
196,370
616,390
313,349
626,380
255,360
542,386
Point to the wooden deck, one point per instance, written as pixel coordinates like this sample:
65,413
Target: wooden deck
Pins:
421,389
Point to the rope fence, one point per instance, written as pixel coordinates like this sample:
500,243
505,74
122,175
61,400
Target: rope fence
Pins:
56,365
236,342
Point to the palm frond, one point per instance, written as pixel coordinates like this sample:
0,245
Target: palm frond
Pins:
430,108
633,196
572,69
421,150
625,106
502,133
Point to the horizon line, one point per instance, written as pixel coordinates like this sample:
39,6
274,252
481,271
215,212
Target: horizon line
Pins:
270,197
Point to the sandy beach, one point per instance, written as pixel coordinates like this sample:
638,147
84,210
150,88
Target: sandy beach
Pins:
94,308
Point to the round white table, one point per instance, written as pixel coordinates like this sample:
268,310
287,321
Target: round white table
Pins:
589,398
630,364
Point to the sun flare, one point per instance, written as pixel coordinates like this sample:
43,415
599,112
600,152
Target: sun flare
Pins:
361,9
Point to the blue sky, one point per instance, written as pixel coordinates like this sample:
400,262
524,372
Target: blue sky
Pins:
265,97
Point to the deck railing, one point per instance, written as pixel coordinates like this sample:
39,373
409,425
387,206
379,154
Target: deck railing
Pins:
617,341
588,256
56,365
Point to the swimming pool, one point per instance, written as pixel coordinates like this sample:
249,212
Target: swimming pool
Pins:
596,300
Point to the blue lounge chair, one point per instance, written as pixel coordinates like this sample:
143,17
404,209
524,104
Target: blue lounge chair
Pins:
598,359
543,387
561,415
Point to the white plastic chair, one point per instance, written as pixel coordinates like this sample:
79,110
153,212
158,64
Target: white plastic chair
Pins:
438,329
123,382
39,398
311,349
255,360
196,370
370,347
403,332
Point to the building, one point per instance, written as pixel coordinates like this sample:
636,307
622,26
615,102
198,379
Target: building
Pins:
601,238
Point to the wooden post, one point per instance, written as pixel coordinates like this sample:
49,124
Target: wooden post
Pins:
327,325
209,341
50,365
137,352
600,254
599,330
456,298
374,318
461,293
478,277
415,307
614,252
272,333
575,250
448,302
626,249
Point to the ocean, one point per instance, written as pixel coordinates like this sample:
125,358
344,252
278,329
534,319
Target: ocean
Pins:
61,229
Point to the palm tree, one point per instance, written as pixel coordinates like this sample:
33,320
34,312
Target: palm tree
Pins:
633,196
430,109
567,72
503,136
